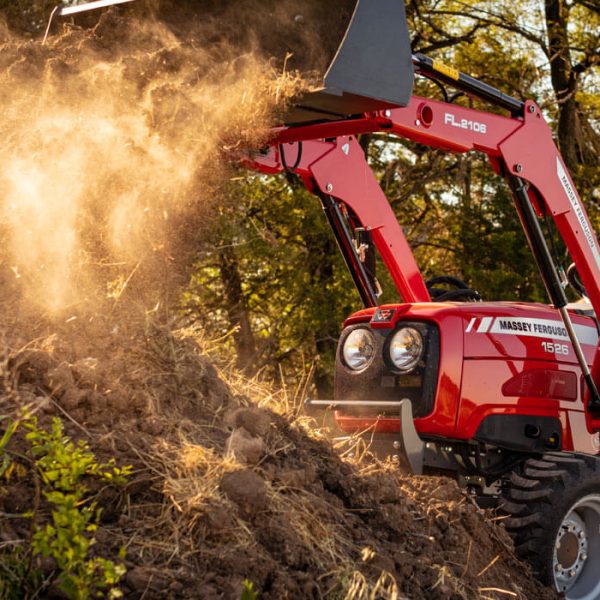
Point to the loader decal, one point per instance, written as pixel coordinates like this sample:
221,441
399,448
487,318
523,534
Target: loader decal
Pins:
529,327
446,70
450,119
578,210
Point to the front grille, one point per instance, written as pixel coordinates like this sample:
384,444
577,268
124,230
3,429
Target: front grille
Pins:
380,381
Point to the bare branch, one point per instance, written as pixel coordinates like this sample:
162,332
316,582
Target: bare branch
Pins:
452,40
487,18
593,6
590,60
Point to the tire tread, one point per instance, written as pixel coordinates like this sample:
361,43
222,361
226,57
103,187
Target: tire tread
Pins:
536,494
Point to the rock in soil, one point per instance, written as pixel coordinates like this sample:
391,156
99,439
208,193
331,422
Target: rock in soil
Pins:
245,488
244,447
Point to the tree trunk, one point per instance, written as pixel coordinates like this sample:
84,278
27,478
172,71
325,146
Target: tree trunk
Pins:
322,251
577,140
237,309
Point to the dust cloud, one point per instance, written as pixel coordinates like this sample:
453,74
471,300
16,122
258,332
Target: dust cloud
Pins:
112,141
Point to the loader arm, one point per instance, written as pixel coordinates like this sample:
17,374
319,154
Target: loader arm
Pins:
331,163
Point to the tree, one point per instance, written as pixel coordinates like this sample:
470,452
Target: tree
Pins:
284,278
563,39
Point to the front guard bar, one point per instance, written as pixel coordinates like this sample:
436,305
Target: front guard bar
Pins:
405,444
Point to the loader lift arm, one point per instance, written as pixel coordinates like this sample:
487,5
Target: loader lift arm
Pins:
520,148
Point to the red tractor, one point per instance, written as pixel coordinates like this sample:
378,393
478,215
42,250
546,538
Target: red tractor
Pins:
501,395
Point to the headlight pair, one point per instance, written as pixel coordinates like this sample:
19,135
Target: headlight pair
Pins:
404,350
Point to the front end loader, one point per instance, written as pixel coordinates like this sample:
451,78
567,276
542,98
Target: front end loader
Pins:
500,395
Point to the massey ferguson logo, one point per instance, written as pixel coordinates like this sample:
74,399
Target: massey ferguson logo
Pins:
578,210
527,327
383,315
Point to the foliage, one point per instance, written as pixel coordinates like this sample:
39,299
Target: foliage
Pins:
294,284
248,591
65,468
17,579
5,459
63,465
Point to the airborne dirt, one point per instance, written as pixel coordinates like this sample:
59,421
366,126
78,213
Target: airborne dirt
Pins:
109,170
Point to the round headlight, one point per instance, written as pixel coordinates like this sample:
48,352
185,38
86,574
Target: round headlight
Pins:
406,348
359,349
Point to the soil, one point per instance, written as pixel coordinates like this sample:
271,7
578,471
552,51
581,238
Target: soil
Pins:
229,483
202,512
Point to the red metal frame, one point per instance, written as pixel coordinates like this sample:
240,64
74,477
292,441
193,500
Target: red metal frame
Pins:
332,163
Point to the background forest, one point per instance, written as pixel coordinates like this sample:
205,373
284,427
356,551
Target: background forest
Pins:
269,282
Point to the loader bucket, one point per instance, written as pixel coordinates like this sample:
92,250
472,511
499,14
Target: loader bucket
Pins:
359,50
372,68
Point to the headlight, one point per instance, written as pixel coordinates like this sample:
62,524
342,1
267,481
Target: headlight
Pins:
359,349
406,348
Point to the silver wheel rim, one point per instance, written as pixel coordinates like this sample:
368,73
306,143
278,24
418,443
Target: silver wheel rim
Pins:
576,555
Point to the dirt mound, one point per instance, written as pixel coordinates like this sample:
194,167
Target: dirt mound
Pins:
229,485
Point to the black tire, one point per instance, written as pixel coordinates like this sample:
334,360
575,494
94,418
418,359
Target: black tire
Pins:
553,503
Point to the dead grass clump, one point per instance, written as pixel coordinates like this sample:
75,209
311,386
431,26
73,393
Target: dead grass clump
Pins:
192,476
312,522
361,589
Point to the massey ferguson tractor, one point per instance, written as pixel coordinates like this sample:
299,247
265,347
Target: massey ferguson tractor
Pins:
500,395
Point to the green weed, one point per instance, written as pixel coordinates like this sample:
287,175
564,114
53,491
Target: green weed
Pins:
63,468
248,591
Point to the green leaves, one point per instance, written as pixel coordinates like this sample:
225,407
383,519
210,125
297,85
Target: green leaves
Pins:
248,591
5,459
63,467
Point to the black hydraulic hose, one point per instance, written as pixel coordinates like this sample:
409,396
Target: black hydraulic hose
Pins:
435,69
284,161
345,244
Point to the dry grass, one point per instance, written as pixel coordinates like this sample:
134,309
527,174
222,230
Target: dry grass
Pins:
384,588
192,476
176,519
313,523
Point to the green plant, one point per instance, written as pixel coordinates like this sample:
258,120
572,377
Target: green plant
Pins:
5,458
63,467
248,591
14,569
17,579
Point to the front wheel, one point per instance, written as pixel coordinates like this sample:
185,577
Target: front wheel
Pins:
553,507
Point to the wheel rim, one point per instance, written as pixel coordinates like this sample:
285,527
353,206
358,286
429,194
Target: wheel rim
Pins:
576,556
